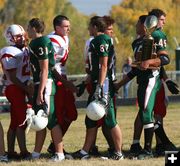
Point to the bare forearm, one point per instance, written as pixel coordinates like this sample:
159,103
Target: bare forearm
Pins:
43,81
102,74
122,82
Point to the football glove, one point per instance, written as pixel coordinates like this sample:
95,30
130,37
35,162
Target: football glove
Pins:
99,95
81,87
172,86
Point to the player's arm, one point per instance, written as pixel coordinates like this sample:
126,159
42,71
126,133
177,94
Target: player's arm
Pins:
103,61
43,80
171,85
126,78
161,60
122,82
68,84
99,94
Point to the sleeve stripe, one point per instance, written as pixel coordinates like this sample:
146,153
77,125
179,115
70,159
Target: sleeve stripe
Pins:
55,41
7,56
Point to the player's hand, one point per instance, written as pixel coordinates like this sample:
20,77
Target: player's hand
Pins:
98,92
99,95
172,86
154,55
144,65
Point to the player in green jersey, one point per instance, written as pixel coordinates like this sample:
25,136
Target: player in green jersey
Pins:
42,61
102,89
142,76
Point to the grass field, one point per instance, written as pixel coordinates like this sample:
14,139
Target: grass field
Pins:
74,139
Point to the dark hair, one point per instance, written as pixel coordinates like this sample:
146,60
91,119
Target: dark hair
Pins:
109,21
100,24
37,24
142,18
157,12
58,20
93,19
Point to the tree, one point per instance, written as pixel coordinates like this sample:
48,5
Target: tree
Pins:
127,13
20,12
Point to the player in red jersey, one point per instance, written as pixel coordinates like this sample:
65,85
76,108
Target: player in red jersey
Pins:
16,69
64,99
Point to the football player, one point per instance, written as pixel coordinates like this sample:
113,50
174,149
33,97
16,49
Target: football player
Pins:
135,147
161,101
101,76
16,69
42,61
64,99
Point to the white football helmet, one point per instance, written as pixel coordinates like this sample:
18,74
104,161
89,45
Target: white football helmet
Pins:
14,31
95,110
39,121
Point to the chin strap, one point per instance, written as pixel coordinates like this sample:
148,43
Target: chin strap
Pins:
29,118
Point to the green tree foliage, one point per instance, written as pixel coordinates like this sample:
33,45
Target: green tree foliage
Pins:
20,12
126,15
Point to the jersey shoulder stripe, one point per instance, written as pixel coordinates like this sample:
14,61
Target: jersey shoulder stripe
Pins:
59,40
10,50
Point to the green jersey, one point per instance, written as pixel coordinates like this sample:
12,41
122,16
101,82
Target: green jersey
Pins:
160,39
100,46
40,49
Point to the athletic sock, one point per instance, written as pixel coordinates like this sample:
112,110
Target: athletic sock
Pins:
148,136
35,155
60,156
159,131
136,141
83,152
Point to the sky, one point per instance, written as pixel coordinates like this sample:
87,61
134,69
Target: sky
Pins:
100,7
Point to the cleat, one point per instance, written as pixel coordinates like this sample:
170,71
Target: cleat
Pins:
79,155
13,156
56,158
4,158
159,150
25,155
116,156
145,155
94,152
67,155
135,150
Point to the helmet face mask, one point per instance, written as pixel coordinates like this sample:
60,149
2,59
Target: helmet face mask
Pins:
15,35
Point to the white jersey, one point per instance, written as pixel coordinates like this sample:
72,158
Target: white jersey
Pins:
12,58
86,53
86,48
61,47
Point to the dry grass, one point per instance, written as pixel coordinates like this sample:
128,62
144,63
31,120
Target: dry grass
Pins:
74,139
